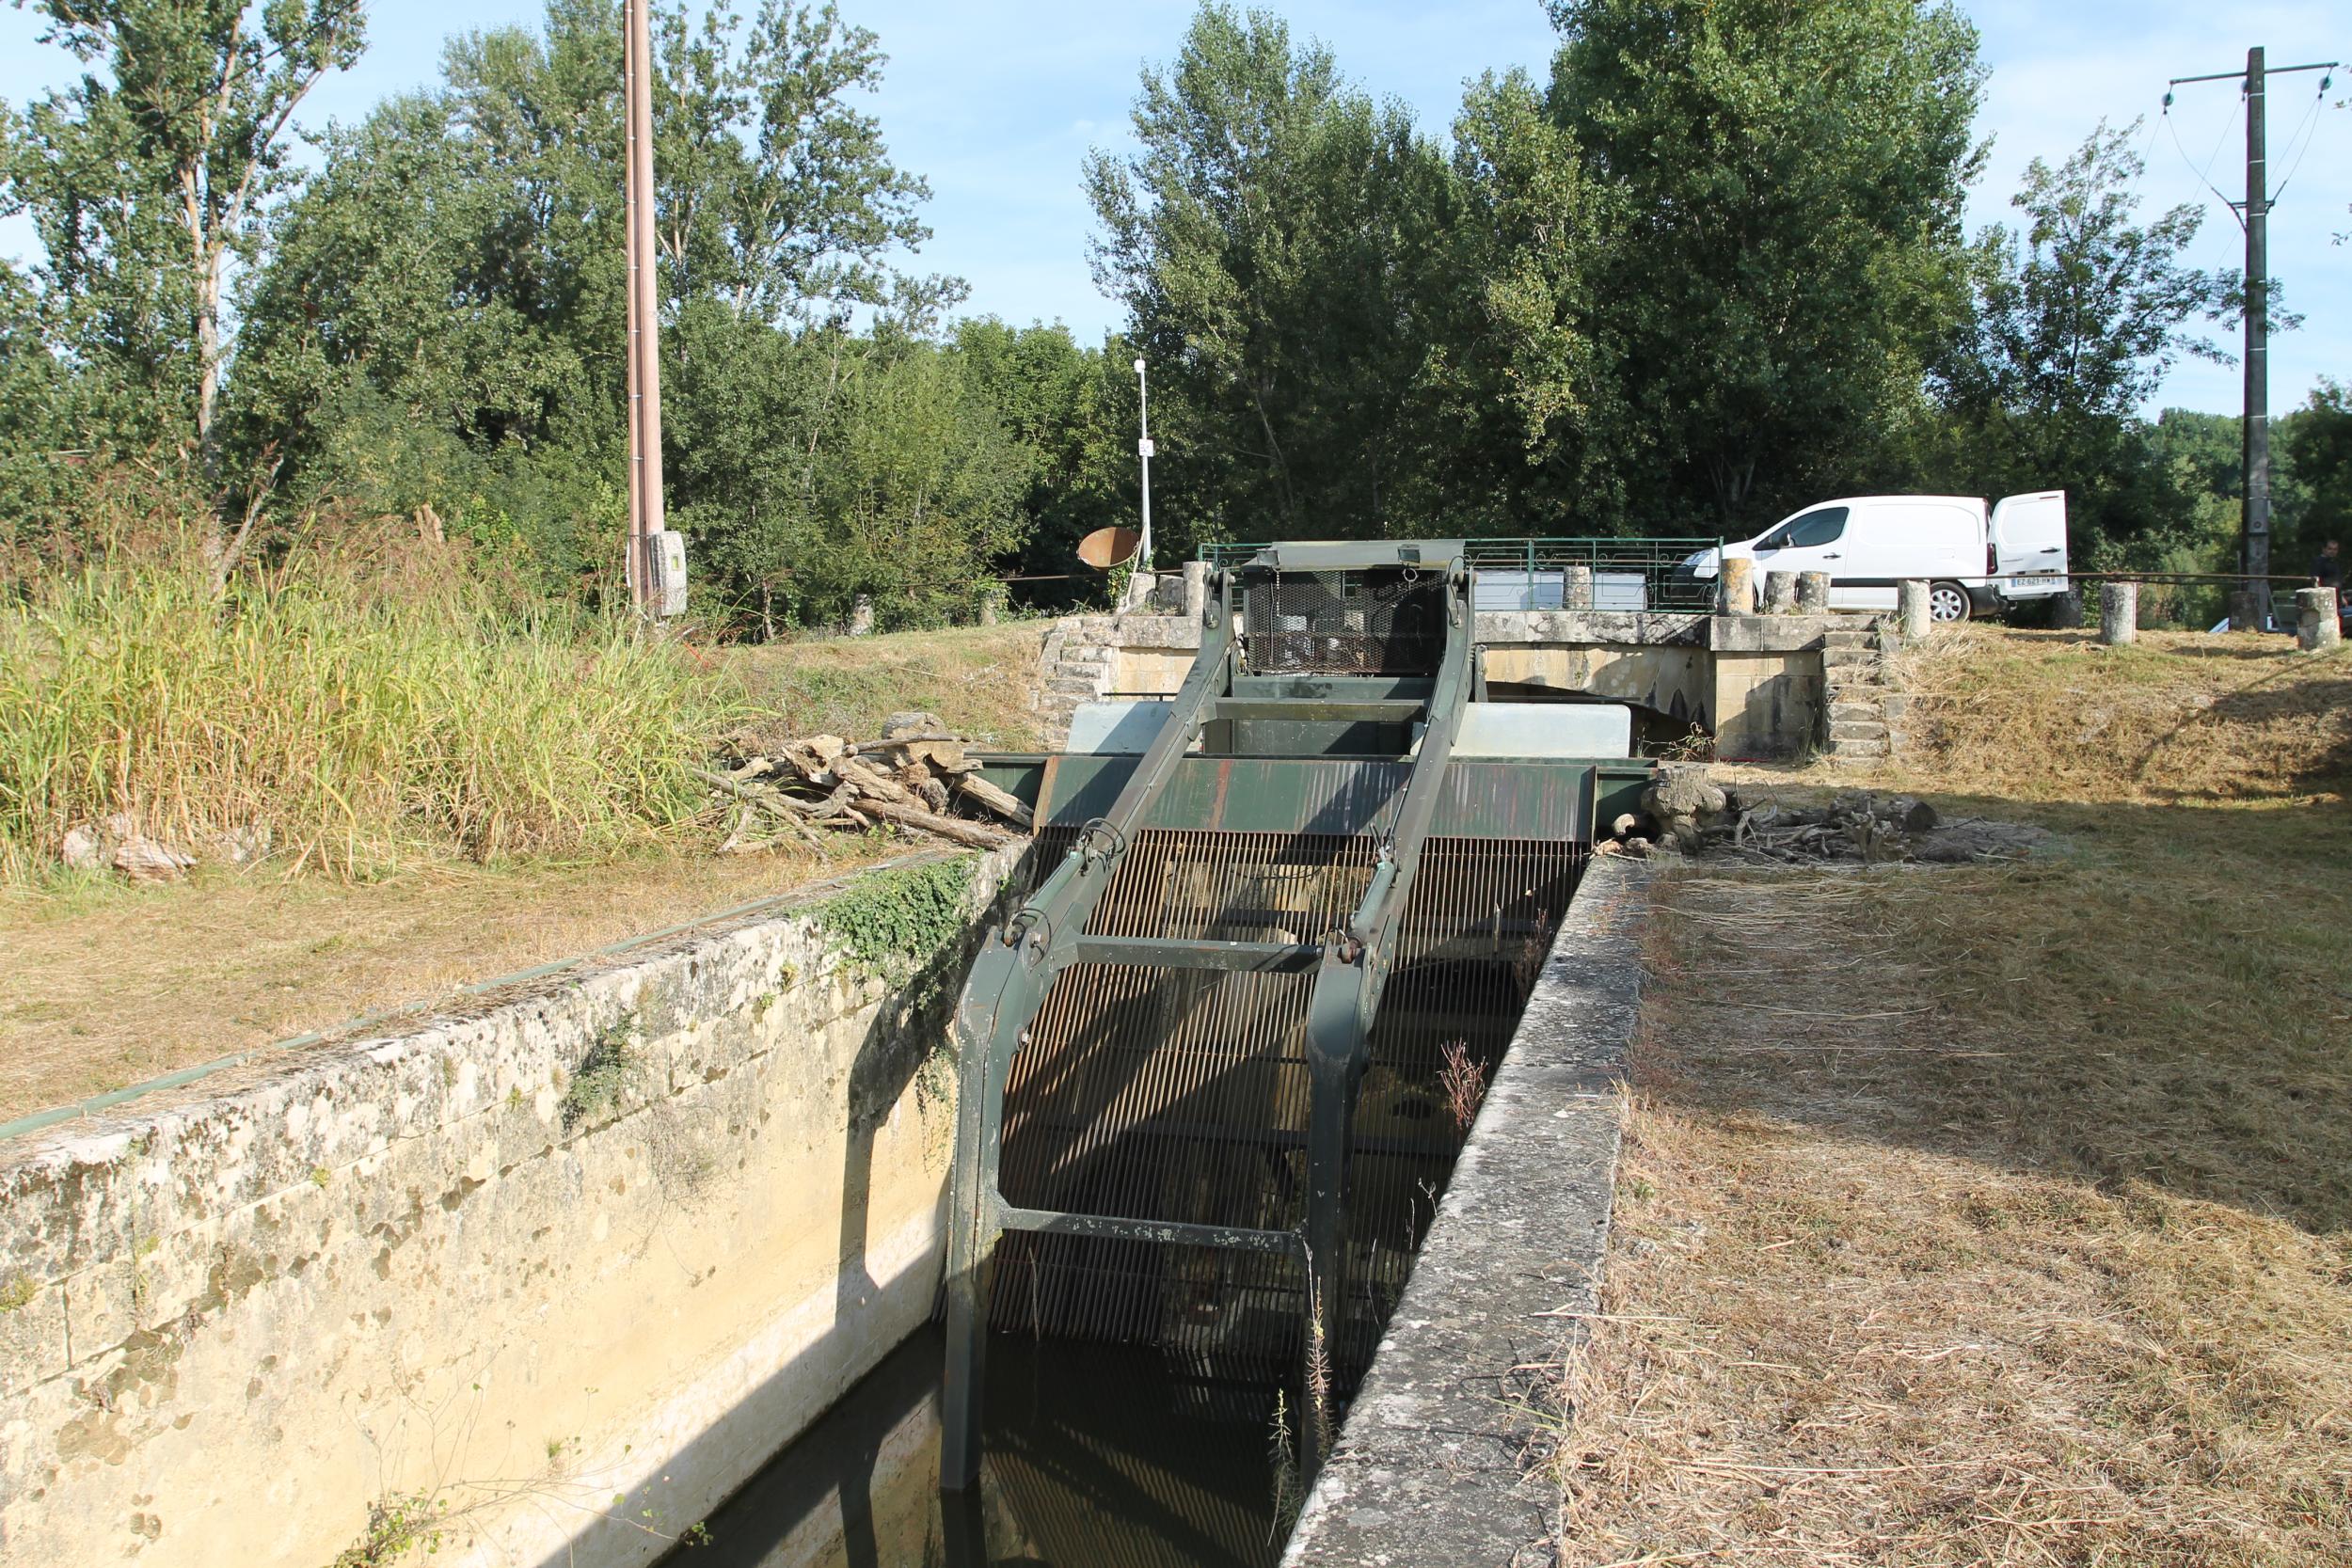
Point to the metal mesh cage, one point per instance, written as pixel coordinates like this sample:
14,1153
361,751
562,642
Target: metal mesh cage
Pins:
1361,623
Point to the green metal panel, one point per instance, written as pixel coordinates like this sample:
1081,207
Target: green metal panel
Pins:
1255,795
1325,795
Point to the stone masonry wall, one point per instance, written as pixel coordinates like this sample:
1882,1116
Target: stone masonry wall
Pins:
548,1279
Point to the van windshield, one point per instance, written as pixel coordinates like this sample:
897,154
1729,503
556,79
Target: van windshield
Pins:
1820,525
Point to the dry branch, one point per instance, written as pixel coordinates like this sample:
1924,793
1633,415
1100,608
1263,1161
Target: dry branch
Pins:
911,778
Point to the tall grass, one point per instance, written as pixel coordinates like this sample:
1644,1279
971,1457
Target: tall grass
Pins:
349,721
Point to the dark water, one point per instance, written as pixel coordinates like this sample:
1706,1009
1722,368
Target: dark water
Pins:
1097,1456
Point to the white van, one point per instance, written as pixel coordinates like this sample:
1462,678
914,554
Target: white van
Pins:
1975,562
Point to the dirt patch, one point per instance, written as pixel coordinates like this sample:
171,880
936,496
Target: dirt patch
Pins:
980,680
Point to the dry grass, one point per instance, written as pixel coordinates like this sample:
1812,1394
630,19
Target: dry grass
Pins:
2003,1216
108,987
2052,715
980,680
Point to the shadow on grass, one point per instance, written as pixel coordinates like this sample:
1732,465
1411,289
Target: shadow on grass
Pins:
2163,997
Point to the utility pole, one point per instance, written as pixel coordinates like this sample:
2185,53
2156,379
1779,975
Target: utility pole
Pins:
2254,429
647,574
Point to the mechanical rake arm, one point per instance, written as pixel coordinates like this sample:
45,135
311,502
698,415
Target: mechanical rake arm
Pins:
1008,985
1348,985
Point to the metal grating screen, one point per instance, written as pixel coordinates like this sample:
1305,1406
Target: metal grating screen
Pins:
1181,1094
1362,622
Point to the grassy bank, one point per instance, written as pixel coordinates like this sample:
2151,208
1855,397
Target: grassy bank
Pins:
981,680
491,793
342,726
2004,1215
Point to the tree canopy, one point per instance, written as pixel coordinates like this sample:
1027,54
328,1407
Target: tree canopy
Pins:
1707,268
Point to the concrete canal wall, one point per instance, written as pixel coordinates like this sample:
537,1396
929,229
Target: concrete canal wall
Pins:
1442,1461
549,1278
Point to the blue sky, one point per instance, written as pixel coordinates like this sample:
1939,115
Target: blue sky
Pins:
997,103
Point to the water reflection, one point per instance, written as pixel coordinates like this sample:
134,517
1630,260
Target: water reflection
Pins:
1097,1456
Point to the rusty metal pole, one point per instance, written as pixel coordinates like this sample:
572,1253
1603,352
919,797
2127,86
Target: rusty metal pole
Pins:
646,518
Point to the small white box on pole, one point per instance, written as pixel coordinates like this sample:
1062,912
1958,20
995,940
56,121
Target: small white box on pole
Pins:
669,573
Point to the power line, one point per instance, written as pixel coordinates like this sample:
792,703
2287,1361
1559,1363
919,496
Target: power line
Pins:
2205,174
2309,130
2253,215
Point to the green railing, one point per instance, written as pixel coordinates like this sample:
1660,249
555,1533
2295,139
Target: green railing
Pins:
1548,574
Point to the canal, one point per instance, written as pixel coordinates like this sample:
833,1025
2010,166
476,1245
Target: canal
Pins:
1097,1456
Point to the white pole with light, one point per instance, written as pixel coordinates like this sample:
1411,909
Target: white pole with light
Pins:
1143,450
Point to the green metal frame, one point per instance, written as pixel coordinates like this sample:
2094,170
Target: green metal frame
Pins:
1658,561
1010,977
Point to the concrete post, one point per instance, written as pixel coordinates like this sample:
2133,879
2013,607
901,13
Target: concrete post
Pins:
2066,610
1140,587
1196,589
1780,593
862,615
1911,603
1738,586
2244,610
1576,588
2119,612
1813,592
2317,624
992,602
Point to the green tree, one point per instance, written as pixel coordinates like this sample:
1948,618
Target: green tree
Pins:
1073,411
454,286
2078,314
2317,442
1780,190
1518,382
149,178
1266,239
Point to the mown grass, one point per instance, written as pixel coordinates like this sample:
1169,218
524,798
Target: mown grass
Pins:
2178,716
2004,1214
347,727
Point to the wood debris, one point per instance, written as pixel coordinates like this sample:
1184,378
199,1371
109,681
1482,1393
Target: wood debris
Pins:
914,776
1684,811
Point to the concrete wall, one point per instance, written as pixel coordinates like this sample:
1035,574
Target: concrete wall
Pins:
1754,682
563,1273
1442,1461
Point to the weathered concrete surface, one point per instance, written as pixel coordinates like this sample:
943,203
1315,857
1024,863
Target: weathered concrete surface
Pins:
1755,682
561,1272
1433,1468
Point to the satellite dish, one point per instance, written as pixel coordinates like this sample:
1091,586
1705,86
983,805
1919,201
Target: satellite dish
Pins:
1107,548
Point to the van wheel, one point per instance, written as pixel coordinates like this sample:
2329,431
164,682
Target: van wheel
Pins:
1948,603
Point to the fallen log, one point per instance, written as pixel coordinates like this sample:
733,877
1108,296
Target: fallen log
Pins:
976,836
1002,803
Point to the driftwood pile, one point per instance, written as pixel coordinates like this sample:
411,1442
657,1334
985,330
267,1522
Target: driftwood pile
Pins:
1685,811
914,777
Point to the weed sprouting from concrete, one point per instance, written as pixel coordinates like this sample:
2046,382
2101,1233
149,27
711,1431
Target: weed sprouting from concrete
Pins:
603,1073
892,924
1464,1082
397,1524
18,1294
1290,1493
